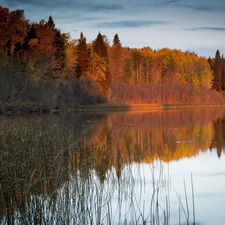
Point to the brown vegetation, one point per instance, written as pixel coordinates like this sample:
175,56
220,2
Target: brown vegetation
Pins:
42,69
170,94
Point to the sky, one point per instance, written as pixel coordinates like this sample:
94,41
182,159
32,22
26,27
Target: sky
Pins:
190,25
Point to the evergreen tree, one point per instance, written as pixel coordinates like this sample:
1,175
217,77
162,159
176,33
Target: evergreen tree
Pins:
116,40
31,38
50,23
100,48
217,72
83,57
115,62
60,56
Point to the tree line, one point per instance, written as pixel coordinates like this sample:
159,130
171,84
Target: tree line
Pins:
42,68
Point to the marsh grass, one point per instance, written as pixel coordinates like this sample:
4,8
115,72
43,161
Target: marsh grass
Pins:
56,174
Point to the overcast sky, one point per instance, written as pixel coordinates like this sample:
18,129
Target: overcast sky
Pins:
194,25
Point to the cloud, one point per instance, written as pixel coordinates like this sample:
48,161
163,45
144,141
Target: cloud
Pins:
64,6
106,7
130,24
206,8
72,5
199,5
204,5
24,3
173,1
221,29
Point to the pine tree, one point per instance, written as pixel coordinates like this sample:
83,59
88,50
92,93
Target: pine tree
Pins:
100,48
116,40
50,23
115,62
60,56
217,72
83,57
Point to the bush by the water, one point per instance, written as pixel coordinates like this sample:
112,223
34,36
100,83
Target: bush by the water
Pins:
171,94
46,96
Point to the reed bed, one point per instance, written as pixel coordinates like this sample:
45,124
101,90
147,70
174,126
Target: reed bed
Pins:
55,174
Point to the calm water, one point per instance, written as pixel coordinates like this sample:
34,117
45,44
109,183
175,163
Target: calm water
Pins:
146,167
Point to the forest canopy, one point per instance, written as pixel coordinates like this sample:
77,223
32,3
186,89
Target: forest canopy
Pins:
44,69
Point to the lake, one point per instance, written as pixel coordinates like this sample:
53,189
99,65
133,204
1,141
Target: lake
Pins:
138,167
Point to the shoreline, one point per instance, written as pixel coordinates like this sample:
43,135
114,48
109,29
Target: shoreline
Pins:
110,107
133,106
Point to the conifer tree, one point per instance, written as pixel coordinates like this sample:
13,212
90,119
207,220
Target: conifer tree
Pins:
50,23
100,48
217,72
60,56
83,56
116,61
116,40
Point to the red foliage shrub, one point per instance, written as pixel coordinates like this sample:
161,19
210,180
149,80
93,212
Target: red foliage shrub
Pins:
173,94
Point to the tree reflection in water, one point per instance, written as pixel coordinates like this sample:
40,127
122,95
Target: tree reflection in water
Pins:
94,168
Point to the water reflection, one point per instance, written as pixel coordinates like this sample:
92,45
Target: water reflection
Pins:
99,168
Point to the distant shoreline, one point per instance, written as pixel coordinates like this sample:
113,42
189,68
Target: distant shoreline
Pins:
106,107
133,106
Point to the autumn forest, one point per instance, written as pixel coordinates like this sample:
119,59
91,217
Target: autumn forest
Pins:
42,69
